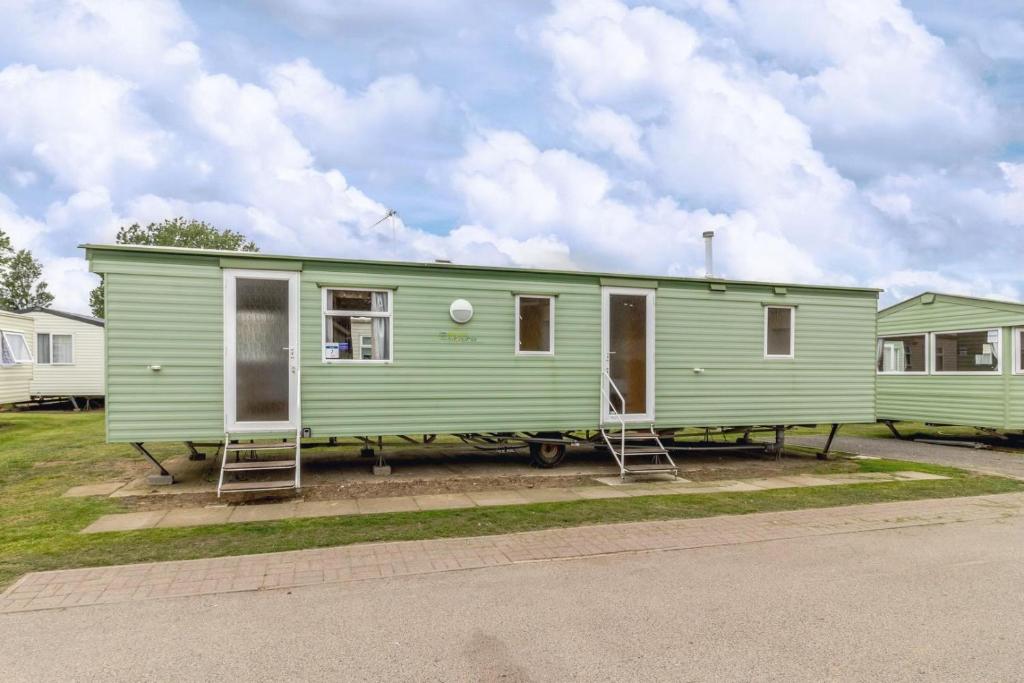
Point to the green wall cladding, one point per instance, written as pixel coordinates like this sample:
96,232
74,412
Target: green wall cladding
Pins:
166,309
995,401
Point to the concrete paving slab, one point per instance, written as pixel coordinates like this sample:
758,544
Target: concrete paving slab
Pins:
101,489
548,495
369,506
326,508
713,487
181,517
594,492
810,480
497,498
444,501
917,475
126,521
262,513
653,479
647,489
769,483
863,476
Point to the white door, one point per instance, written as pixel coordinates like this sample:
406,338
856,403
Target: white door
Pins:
627,347
261,355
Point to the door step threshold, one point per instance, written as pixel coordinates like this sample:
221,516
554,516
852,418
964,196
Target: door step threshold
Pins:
254,465
259,446
252,486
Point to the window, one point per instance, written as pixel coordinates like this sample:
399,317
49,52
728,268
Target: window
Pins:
357,325
43,348
535,325
1018,351
902,355
973,351
62,349
55,349
13,348
779,331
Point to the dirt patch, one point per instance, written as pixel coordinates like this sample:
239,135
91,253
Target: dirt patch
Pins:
334,478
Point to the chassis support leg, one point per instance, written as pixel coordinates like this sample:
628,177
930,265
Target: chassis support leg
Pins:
823,455
892,428
165,478
193,454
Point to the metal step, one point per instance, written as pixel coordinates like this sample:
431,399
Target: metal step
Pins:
641,451
632,434
651,468
251,465
260,446
250,486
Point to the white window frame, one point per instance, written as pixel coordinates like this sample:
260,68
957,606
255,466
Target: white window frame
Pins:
325,312
792,334
1017,368
4,334
879,349
51,335
551,325
986,373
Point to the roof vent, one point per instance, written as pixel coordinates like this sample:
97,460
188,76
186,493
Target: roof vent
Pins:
443,260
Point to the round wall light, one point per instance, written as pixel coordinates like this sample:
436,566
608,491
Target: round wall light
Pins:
461,311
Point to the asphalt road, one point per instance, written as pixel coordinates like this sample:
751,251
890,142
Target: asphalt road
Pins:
934,602
997,462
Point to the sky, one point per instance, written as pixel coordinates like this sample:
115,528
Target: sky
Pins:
850,142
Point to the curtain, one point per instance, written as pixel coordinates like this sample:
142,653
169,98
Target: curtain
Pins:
62,351
43,348
380,327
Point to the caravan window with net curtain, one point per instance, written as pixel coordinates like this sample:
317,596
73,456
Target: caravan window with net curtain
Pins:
902,355
357,325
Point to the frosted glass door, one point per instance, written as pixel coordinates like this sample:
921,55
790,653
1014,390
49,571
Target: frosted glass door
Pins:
627,347
262,367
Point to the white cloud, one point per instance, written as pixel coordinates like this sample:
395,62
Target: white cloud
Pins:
517,190
863,74
715,136
80,126
609,131
139,40
391,105
836,142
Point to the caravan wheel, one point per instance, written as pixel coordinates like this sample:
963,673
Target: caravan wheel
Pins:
547,455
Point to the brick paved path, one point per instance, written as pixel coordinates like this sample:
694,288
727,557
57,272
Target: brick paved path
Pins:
47,590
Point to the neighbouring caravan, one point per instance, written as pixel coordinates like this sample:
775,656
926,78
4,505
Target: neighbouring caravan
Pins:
69,356
16,364
951,360
226,346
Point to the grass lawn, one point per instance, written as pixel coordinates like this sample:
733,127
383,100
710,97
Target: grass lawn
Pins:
42,454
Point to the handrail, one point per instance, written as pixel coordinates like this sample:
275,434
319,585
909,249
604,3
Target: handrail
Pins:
605,375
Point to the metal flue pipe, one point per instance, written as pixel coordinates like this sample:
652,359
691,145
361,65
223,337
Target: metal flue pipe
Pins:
709,270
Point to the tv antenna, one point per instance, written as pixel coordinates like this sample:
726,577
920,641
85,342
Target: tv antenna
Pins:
390,216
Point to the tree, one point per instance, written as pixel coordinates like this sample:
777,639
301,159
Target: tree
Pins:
21,283
174,232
